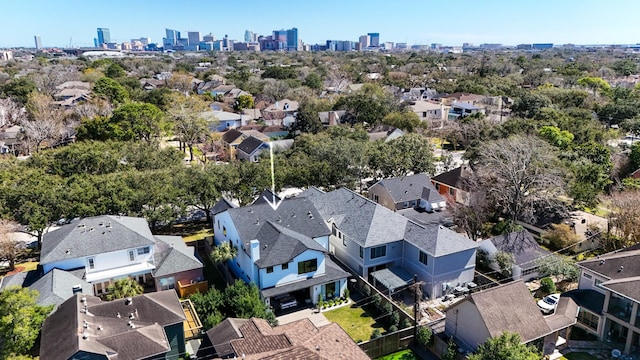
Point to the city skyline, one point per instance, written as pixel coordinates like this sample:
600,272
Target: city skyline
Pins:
68,22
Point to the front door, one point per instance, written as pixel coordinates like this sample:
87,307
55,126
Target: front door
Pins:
330,290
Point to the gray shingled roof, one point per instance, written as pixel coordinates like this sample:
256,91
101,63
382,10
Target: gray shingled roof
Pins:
250,144
522,245
231,135
222,205
225,331
56,286
61,338
279,245
608,265
95,235
370,224
296,214
173,256
589,299
511,308
407,188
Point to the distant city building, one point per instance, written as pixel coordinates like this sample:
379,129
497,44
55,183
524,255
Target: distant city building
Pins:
374,39
171,39
543,46
194,37
209,38
523,47
250,37
340,45
387,45
364,41
490,46
6,55
435,46
104,36
38,42
401,45
292,39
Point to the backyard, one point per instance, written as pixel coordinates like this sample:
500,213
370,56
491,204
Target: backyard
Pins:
355,321
401,355
578,356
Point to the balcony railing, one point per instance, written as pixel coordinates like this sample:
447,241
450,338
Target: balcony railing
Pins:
193,287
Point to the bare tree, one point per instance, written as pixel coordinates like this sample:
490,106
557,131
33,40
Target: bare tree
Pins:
96,106
51,76
188,124
10,112
624,220
181,82
45,121
520,177
275,89
10,249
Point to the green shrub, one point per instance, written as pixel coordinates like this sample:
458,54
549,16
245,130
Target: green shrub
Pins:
393,328
547,285
346,294
376,334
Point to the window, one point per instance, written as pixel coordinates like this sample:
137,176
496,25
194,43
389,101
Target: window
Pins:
307,266
379,251
361,252
269,269
285,266
144,250
168,283
92,264
424,257
344,240
375,197
588,319
132,255
437,186
598,282
452,191
587,276
224,230
218,221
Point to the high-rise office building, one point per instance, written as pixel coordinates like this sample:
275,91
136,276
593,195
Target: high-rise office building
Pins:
365,42
292,39
38,42
194,37
250,36
104,36
209,38
374,39
171,39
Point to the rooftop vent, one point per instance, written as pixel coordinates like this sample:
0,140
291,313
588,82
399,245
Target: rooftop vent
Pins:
68,251
621,268
81,225
118,315
109,224
99,327
131,316
83,299
100,223
602,262
129,301
91,229
85,336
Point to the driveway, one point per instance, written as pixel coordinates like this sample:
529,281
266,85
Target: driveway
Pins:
316,318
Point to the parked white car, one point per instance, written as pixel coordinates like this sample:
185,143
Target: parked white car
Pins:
549,303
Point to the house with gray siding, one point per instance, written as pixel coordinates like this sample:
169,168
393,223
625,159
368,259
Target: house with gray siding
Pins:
524,248
369,237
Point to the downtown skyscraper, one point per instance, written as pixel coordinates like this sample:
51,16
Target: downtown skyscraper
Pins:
104,36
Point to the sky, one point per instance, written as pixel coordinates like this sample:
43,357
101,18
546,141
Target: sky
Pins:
62,23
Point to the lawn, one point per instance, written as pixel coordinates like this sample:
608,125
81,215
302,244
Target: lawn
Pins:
401,355
198,235
355,321
579,356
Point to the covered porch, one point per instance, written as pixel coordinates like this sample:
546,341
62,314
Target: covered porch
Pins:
392,279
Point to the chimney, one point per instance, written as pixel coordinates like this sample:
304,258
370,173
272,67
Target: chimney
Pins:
255,250
332,118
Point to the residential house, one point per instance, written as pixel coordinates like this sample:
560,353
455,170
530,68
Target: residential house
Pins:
150,83
384,133
460,110
434,114
113,247
283,112
222,120
148,326
418,94
331,118
282,248
231,139
54,287
250,149
462,97
509,307
524,248
255,339
72,92
407,192
9,141
378,243
609,298
455,184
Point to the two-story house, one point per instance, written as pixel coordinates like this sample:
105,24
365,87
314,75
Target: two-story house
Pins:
434,114
455,184
609,298
149,326
414,191
282,249
111,247
368,238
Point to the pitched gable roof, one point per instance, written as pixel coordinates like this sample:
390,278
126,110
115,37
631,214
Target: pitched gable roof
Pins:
64,333
250,144
95,235
221,335
608,265
370,224
407,188
291,213
231,135
173,256
522,245
56,286
457,178
511,308
279,245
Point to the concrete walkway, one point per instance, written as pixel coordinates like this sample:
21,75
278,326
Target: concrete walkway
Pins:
316,318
